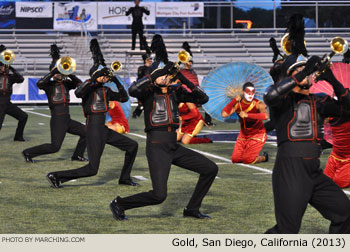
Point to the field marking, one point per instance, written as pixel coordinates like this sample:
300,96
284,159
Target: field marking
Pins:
36,113
201,152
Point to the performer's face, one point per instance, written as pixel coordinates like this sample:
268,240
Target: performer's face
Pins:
102,79
188,65
137,2
57,77
148,62
163,81
249,93
2,69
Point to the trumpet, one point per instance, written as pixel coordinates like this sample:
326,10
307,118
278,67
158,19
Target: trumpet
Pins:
183,57
66,65
338,45
7,57
116,66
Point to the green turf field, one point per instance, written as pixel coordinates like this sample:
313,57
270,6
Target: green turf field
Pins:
240,200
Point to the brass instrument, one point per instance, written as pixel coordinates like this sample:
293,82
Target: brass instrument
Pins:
183,57
286,44
66,65
7,57
339,46
116,66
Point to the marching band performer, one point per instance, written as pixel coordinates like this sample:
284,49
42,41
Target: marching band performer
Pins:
56,87
252,136
7,80
96,99
162,149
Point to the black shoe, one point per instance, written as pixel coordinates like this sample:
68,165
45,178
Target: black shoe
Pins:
118,213
19,139
195,214
128,182
210,123
27,158
266,155
79,158
54,182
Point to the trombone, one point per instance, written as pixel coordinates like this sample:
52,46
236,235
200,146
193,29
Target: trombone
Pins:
7,57
66,65
338,45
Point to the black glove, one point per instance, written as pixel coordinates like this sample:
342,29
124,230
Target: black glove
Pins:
99,73
162,71
54,71
310,67
327,75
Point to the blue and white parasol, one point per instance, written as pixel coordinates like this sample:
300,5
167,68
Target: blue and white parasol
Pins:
225,82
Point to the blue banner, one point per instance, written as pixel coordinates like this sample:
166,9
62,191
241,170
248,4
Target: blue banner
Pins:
7,15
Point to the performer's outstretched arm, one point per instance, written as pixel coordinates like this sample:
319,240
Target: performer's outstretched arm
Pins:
83,89
17,77
75,81
122,95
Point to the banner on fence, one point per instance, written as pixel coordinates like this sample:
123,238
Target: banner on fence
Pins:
75,16
177,9
113,13
34,10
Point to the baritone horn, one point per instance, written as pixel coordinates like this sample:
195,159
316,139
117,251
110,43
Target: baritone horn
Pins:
183,56
116,66
286,44
66,65
338,45
7,57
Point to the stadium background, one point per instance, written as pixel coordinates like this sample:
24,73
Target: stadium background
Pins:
240,200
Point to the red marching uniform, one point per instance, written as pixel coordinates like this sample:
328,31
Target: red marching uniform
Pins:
118,117
338,165
252,136
191,120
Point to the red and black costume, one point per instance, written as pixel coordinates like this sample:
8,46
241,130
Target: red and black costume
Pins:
162,150
297,178
118,117
252,136
57,92
7,80
190,120
338,165
95,105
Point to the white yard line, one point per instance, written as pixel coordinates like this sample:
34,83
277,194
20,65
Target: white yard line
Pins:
228,161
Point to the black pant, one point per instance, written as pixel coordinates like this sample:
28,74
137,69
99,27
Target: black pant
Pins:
59,126
298,181
134,31
162,150
7,107
97,137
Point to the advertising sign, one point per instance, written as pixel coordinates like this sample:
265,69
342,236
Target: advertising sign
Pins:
34,10
75,16
180,9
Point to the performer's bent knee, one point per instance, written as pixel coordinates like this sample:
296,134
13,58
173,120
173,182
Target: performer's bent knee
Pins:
159,197
236,159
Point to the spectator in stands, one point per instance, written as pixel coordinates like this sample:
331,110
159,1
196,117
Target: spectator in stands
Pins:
137,25
7,80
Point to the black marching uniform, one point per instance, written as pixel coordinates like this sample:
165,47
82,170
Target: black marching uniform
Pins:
57,93
95,105
6,106
297,178
162,150
141,72
137,25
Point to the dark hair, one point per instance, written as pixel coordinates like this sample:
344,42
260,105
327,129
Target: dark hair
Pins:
247,84
158,47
